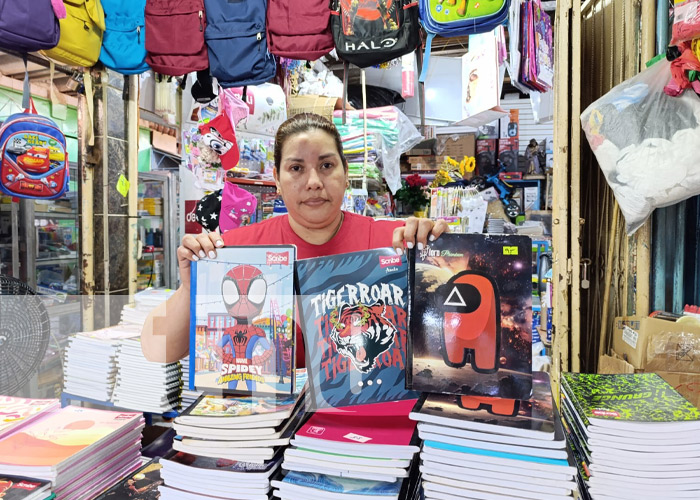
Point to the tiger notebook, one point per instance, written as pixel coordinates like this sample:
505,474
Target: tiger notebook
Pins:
353,313
242,321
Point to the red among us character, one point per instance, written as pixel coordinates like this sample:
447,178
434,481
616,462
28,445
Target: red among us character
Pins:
244,290
495,406
36,160
362,333
472,321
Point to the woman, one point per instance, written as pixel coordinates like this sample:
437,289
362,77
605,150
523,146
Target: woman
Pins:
311,175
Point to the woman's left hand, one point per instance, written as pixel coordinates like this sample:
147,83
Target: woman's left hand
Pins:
417,232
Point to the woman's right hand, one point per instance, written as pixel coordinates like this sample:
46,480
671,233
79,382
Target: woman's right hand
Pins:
193,248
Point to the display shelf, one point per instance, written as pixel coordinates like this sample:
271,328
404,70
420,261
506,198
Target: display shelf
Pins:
55,260
61,309
67,398
56,215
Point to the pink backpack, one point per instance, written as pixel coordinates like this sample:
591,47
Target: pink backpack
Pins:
299,29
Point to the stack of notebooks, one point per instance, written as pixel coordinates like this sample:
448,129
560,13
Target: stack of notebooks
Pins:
143,385
188,396
82,451
144,303
90,361
234,442
142,484
374,444
24,488
16,413
634,436
490,448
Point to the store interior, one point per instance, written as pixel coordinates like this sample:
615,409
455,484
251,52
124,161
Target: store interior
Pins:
553,140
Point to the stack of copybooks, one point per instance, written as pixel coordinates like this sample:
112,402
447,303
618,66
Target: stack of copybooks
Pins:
310,486
24,488
188,476
80,450
144,303
246,428
142,484
90,361
188,396
487,448
634,435
143,385
16,413
370,442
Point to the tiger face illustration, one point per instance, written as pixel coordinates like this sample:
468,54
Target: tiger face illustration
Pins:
362,333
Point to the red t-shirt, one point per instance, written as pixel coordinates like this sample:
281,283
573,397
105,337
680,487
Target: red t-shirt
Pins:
357,233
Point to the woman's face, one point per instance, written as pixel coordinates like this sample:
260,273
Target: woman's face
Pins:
312,178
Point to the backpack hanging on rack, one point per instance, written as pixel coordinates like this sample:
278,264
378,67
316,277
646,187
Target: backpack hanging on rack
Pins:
450,18
33,154
175,36
81,34
237,42
371,32
124,43
299,29
28,27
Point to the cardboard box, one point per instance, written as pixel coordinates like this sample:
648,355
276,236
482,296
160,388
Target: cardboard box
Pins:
320,105
687,384
633,334
508,153
456,146
614,364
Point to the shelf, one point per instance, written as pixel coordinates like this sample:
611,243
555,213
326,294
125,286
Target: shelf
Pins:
56,260
151,216
253,182
61,309
71,215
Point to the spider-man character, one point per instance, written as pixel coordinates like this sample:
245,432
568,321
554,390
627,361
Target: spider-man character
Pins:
244,289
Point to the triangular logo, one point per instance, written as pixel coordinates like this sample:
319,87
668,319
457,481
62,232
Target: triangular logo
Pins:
455,299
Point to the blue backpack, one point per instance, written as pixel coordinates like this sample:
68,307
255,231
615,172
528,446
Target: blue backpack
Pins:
458,18
237,42
124,41
33,156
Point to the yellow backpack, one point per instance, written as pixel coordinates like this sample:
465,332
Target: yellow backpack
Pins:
81,34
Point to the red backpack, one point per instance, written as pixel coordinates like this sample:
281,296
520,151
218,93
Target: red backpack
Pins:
175,36
299,29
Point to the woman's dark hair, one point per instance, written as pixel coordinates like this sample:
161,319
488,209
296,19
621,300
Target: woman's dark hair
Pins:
301,123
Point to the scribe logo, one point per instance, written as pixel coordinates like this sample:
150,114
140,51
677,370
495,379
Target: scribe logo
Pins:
280,259
388,261
605,413
26,485
315,430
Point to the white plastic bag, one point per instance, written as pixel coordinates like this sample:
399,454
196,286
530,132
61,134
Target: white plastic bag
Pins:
647,143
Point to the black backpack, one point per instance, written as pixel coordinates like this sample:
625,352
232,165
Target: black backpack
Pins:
371,32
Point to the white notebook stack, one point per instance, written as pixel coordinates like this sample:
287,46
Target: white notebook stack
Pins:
143,385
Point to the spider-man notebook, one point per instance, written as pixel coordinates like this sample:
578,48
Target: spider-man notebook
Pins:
471,316
242,321
353,310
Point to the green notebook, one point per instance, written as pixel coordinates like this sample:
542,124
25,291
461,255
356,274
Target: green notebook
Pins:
629,401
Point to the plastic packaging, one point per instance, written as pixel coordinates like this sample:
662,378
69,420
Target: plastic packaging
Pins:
397,132
686,21
646,142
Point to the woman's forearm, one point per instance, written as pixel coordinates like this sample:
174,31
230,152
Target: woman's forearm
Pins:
165,335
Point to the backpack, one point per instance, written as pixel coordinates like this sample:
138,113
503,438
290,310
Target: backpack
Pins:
371,32
299,29
460,19
124,43
175,36
237,41
28,27
33,156
81,34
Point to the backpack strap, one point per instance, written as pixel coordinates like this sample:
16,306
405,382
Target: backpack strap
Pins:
426,59
421,89
346,68
27,101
